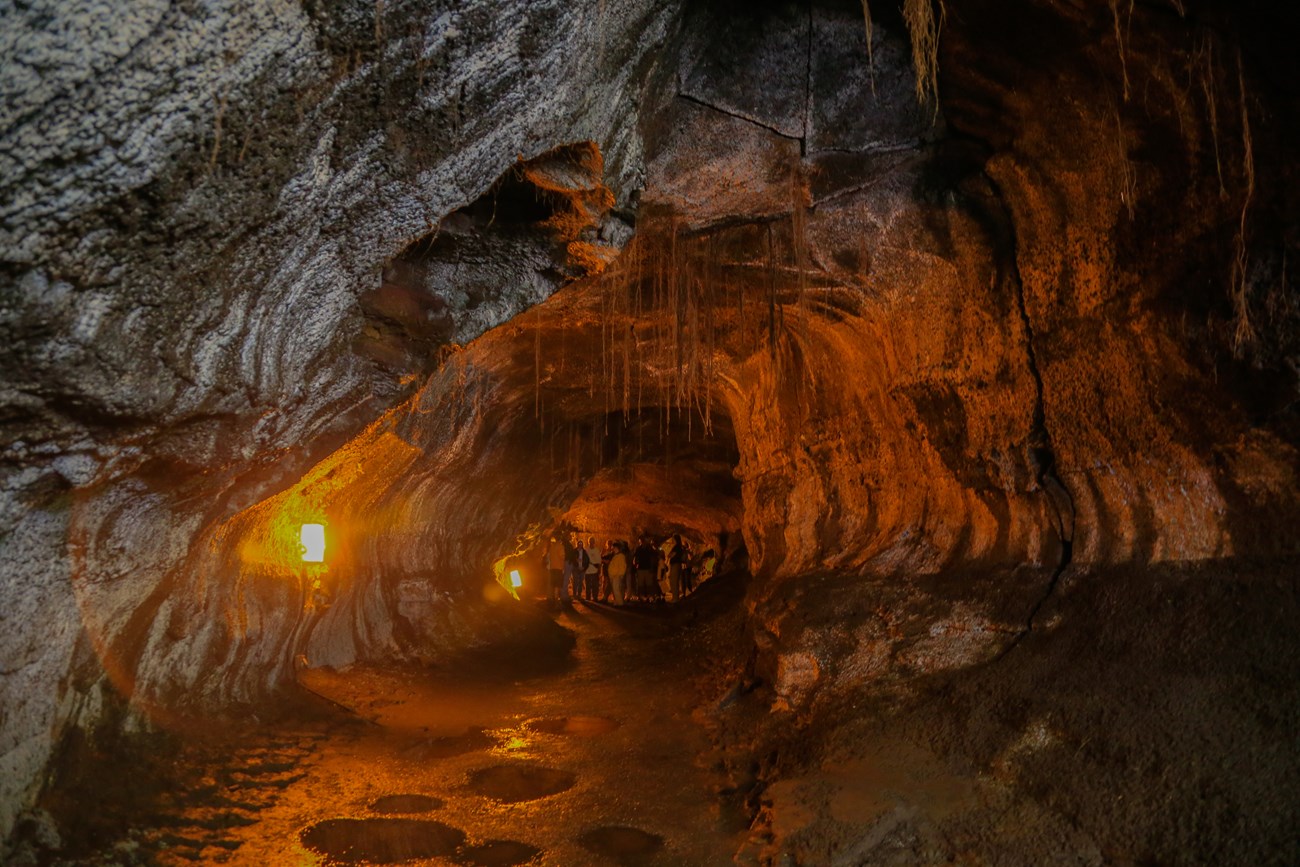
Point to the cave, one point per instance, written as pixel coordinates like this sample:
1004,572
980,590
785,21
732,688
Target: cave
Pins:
960,339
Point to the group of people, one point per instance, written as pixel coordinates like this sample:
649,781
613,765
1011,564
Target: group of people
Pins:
620,573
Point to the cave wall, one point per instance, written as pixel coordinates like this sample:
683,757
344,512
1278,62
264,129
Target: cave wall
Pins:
1041,299
198,205
1125,210
1013,475
1111,700
970,352
899,344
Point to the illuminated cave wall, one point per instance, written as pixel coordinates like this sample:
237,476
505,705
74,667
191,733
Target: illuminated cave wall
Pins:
1010,325
965,344
198,203
986,339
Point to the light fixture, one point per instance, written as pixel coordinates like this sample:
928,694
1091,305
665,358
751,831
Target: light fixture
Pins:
515,580
313,543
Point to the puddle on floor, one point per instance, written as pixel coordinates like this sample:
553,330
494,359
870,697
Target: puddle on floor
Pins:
579,726
513,783
382,841
499,757
475,740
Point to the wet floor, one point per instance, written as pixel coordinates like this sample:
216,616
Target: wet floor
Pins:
595,761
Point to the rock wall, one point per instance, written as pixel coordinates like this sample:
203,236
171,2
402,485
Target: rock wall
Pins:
969,354
195,201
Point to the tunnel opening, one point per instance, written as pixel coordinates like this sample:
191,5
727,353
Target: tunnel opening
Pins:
643,475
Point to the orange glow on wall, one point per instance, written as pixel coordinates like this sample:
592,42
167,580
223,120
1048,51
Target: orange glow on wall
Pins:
312,537
285,535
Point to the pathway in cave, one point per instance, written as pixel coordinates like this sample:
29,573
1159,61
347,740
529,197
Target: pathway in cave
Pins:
538,756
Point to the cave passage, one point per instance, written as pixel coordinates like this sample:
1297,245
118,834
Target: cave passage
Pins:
965,333
509,727
569,744
658,477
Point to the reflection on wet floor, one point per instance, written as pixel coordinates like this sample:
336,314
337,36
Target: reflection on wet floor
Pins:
592,761
472,741
579,726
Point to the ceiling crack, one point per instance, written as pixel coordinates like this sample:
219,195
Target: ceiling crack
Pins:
702,103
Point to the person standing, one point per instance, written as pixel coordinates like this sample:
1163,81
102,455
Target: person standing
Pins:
592,572
554,559
662,550
572,580
644,560
607,587
618,571
675,555
688,568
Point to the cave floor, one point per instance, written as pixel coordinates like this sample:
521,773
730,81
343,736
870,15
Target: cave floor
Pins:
539,756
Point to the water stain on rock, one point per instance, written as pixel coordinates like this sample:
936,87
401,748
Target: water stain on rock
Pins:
382,841
579,726
622,845
405,804
498,853
520,782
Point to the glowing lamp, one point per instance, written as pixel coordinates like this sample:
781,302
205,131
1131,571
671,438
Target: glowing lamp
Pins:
313,543
515,580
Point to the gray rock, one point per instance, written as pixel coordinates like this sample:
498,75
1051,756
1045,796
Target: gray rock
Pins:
193,202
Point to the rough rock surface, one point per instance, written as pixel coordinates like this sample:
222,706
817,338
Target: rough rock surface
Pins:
195,199
1000,377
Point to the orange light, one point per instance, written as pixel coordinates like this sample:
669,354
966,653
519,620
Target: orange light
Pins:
515,579
313,543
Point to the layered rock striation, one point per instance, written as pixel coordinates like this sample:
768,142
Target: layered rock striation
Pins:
197,204
987,372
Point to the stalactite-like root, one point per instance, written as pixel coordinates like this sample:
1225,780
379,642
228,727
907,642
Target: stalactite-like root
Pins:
1121,40
871,53
1244,330
924,26
1204,66
1127,176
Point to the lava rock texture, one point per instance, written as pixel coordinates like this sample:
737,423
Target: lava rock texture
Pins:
200,204
1007,377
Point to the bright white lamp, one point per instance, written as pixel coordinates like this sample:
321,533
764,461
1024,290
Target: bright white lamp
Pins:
313,543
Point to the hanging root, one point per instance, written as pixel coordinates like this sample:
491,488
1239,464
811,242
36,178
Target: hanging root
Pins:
1120,38
924,27
871,54
1212,106
1244,333
1127,178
